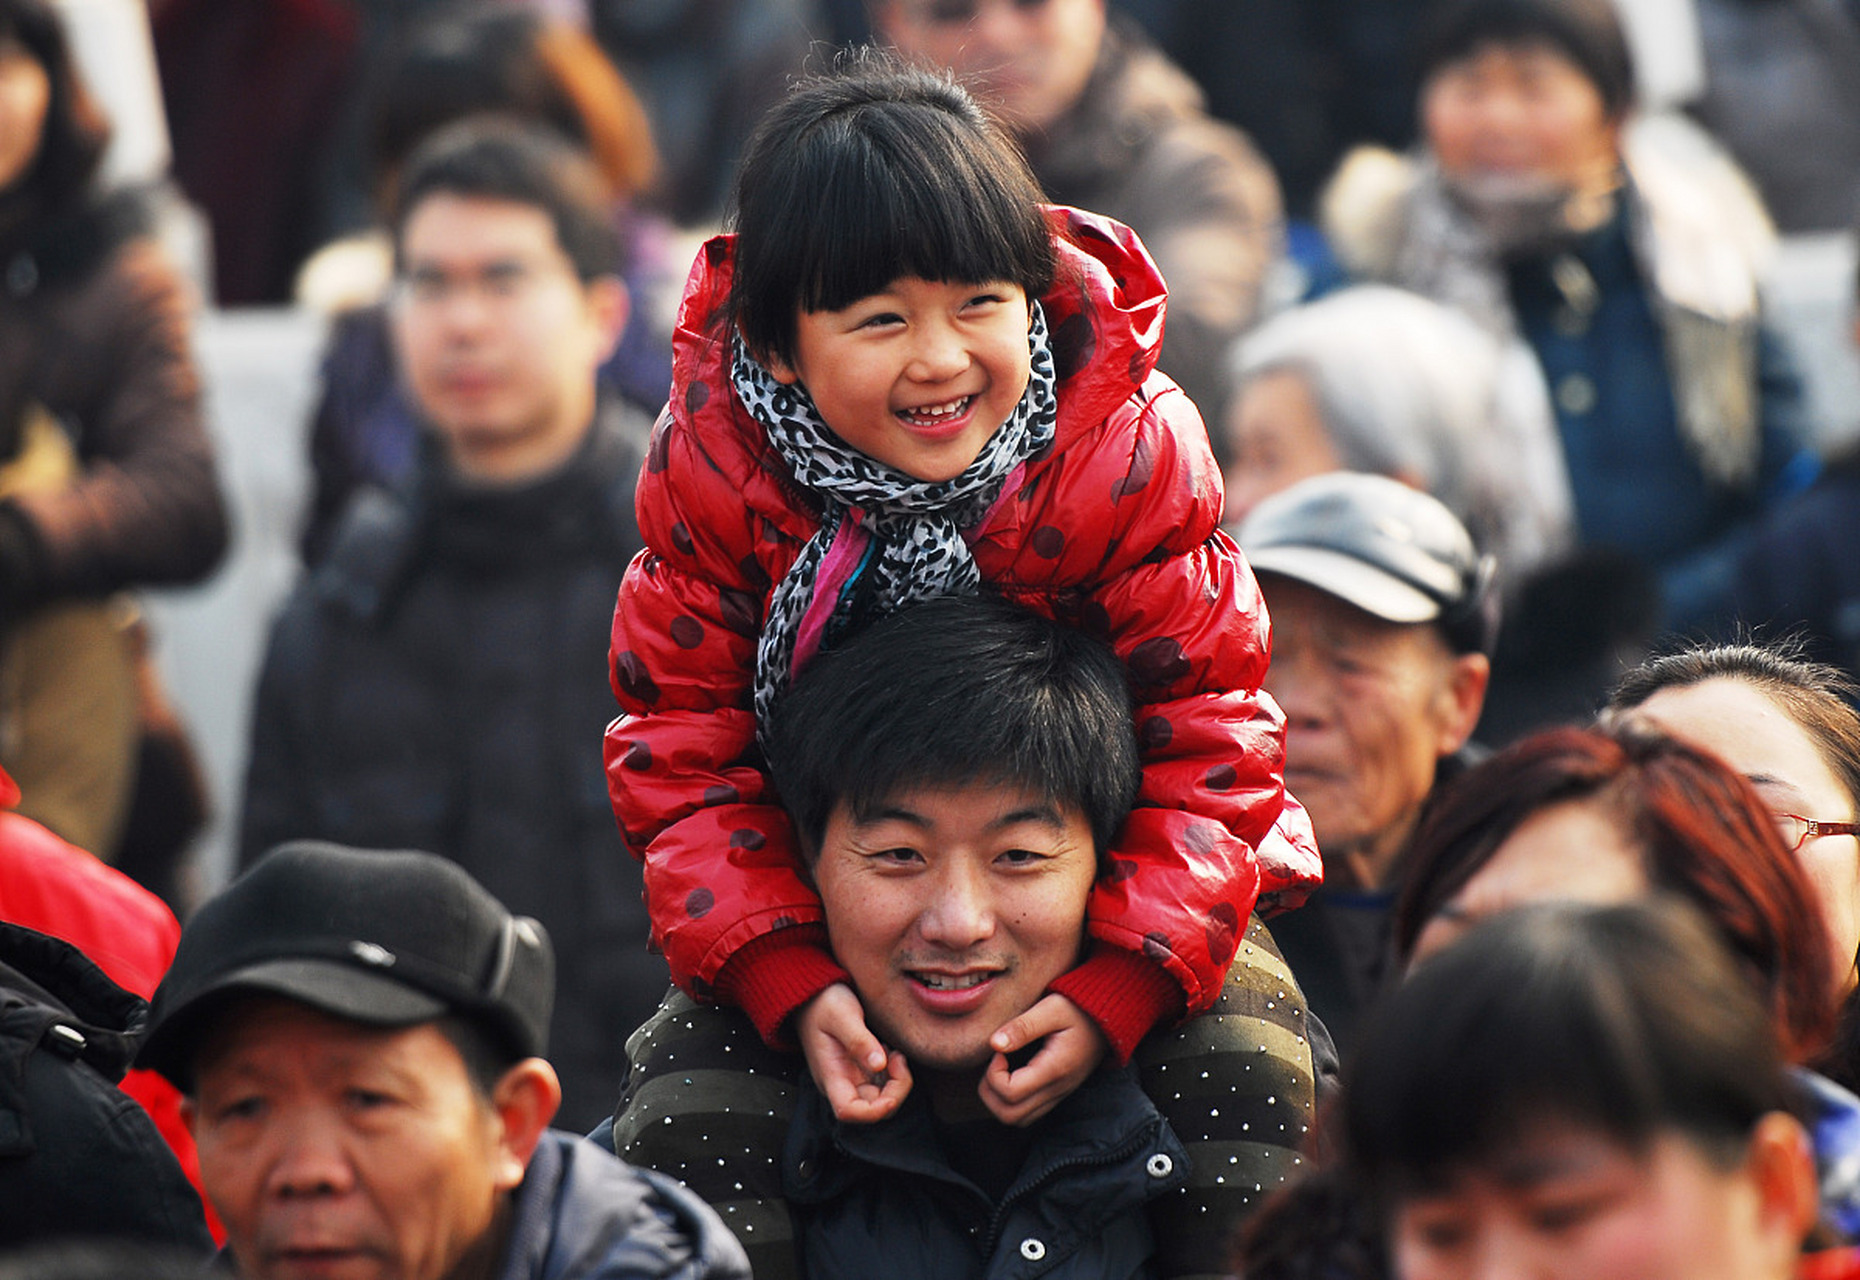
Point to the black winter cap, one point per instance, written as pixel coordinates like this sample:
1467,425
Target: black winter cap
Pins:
385,938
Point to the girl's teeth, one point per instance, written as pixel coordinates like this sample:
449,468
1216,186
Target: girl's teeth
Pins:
935,411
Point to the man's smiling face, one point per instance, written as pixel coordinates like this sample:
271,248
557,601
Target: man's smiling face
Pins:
953,909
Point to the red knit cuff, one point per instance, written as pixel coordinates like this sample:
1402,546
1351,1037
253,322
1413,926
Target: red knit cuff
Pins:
773,976
1124,994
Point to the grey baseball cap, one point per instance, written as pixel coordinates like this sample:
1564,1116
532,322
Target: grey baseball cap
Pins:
1391,550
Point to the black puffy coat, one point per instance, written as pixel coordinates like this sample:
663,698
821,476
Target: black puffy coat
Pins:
883,1199
78,1156
439,682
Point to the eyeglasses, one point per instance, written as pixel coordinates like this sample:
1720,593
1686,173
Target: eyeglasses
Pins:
1797,830
500,284
952,13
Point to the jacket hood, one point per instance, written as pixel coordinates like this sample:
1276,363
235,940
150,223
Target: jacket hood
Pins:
54,991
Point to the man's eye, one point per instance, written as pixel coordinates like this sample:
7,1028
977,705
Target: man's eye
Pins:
1563,1215
506,281
246,1107
900,856
1441,1235
424,287
1022,857
368,1099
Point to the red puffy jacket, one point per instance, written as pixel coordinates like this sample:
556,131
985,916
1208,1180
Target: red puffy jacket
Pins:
1114,529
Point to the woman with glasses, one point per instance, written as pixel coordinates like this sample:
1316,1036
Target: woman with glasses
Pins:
1618,813
1788,725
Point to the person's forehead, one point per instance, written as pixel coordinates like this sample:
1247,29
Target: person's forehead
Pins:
258,1032
992,802
451,225
1751,732
1307,608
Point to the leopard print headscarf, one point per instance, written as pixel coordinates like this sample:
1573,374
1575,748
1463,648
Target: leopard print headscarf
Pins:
903,536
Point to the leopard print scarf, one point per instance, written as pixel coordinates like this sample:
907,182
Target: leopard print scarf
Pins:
899,539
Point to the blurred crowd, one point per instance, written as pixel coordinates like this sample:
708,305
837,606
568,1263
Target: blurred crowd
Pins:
1523,336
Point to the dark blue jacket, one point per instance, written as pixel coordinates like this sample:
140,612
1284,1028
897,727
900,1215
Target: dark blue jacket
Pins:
885,1200
439,682
581,1214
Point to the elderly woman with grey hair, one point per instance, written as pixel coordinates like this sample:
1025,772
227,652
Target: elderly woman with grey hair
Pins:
1374,378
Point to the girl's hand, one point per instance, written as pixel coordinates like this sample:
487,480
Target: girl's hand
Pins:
1072,1050
862,1080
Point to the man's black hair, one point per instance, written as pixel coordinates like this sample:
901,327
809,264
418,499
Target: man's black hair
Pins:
877,171
954,691
492,159
1587,32
487,1055
1631,1020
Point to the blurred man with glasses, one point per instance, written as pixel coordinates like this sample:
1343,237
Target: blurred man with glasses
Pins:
436,681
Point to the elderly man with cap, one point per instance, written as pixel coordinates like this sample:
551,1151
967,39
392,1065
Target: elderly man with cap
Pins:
357,1034
1382,619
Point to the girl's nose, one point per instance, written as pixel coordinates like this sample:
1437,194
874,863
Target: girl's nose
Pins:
939,355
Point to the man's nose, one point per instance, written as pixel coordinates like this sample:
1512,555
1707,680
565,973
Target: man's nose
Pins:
1503,1255
1298,691
311,1160
960,912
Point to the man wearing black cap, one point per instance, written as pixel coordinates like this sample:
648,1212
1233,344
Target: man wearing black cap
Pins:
358,1034
1382,618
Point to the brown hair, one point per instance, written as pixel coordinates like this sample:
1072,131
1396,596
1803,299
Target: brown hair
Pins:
1704,832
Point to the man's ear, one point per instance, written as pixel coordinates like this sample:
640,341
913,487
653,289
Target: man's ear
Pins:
190,1114
1462,698
609,304
1781,1165
524,1100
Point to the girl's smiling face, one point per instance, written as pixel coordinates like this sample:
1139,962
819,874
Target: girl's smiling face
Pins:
918,375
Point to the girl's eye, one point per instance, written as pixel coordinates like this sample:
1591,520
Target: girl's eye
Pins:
986,300
881,320
368,1099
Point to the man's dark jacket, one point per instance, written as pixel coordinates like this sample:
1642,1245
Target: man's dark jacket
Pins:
581,1214
439,682
884,1200
78,1156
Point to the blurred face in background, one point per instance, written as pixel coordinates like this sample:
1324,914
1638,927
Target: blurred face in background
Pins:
1276,436
25,96
498,337
1523,116
1756,736
1567,1201
1575,851
1028,59
1370,709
